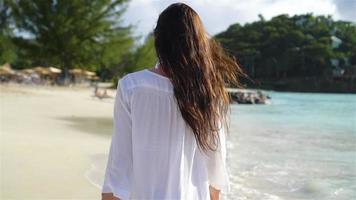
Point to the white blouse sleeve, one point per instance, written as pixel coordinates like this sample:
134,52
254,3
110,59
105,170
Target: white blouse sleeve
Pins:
118,175
216,164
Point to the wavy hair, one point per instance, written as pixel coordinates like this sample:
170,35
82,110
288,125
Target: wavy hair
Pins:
199,70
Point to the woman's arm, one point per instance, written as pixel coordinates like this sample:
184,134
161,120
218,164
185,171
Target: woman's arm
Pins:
118,174
108,196
214,193
217,172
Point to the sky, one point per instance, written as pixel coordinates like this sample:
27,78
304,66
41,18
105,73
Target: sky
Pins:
218,15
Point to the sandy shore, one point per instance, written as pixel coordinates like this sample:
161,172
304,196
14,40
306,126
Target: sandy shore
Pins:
54,142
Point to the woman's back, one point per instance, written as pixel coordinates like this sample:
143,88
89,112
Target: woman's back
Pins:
154,154
169,133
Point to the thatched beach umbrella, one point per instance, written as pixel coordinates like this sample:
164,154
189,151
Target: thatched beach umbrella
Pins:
41,70
82,74
76,71
89,73
78,75
54,70
94,78
28,71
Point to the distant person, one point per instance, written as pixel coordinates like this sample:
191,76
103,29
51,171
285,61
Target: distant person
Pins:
101,94
170,122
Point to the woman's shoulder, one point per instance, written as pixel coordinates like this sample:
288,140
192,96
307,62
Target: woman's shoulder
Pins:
132,79
144,78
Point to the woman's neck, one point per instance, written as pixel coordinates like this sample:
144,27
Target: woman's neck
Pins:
158,70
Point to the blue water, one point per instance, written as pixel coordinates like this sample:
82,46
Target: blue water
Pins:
301,146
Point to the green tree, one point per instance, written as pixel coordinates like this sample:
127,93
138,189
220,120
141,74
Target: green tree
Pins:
144,56
7,47
73,33
286,48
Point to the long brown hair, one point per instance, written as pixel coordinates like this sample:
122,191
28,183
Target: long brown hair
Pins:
199,70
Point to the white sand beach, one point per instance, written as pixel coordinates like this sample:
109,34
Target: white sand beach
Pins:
54,142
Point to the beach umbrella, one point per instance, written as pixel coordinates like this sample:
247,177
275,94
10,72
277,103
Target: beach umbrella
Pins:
54,70
76,71
41,70
94,78
28,71
89,73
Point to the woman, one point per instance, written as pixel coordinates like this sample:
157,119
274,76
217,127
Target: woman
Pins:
169,122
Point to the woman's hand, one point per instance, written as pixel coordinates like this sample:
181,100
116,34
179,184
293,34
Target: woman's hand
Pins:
214,193
108,196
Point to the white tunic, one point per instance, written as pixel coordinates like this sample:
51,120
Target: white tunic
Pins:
153,152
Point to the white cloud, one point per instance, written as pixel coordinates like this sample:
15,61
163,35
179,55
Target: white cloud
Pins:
346,9
217,15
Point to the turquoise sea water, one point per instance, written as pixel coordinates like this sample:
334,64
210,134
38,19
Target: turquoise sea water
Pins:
301,146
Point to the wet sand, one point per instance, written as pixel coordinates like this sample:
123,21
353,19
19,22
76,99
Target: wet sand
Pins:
54,142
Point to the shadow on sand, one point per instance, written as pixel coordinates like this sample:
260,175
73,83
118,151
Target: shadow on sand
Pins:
94,125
